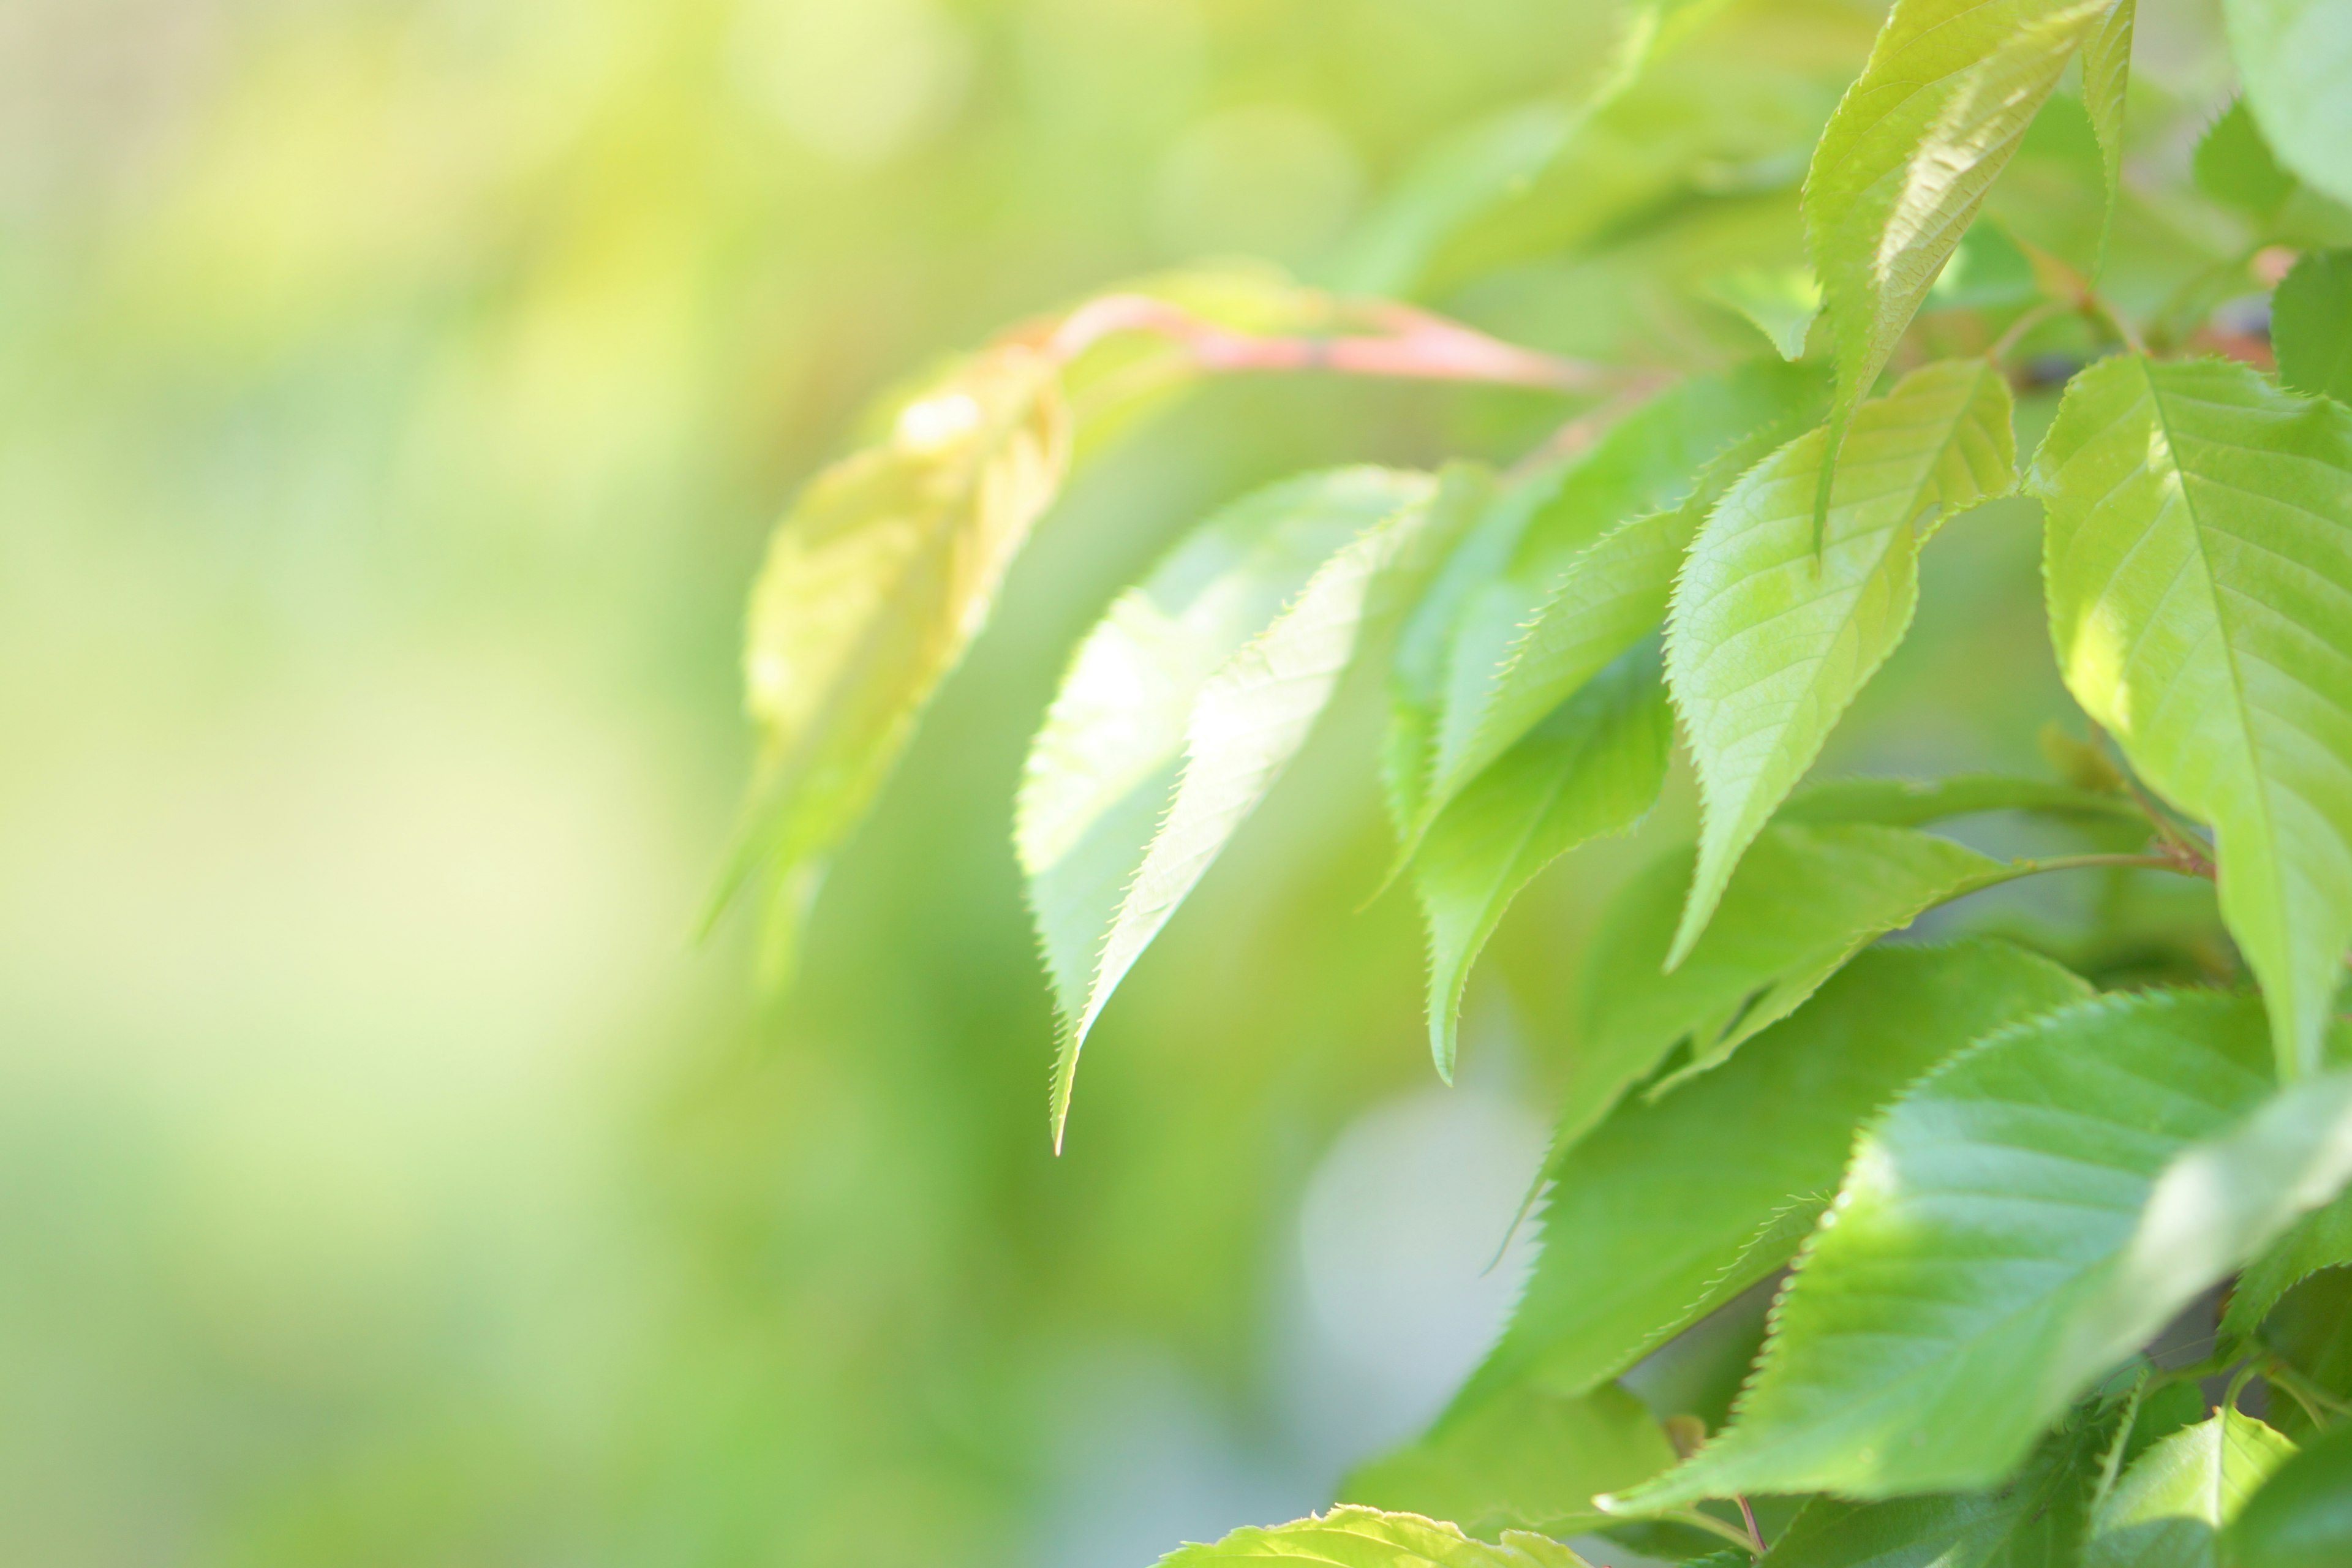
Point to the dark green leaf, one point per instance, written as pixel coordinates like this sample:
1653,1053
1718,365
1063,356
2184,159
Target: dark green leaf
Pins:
2311,325
2320,1239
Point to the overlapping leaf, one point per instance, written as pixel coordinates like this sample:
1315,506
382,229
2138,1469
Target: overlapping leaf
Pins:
2294,57
2017,1226
1948,94
1367,1538
2171,1505
1769,638
1186,702
2199,559
2320,1239
2302,1517
1654,1218
2311,326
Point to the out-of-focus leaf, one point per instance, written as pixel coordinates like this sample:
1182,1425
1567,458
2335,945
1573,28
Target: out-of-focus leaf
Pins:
1599,602
2294,57
1367,1538
1455,181
2301,1517
1806,900
2320,1239
1653,1219
876,582
2172,1504
2012,1229
1946,97
2233,165
2106,76
1184,705
1782,302
2310,1330
1769,638
1529,1460
1418,668
2311,326
1912,802
2198,560
1595,767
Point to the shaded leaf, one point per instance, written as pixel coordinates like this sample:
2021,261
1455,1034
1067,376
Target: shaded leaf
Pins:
2199,559
1594,767
2311,326
1667,1210
1782,302
2171,1505
1529,1460
2301,1517
2012,1229
2294,57
1367,1538
1768,638
1419,667
877,579
1912,802
1183,706
2320,1239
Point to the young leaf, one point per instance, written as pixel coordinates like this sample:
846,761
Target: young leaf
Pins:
1769,637
1652,1219
1608,597
2301,1517
2311,325
1530,1461
1595,767
876,582
2013,1228
1805,900
2175,1500
1366,1537
1949,90
2198,560
1183,706
2294,57
2320,1239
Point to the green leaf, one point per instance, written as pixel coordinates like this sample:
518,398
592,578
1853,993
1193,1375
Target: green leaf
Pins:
1459,178
2320,1239
876,581
1948,94
1913,803
1366,1537
2171,1505
2294,57
1595,767
2233,165
2310,1330
2011,1230
2301,1517
2311,326
1183,705
1594,605
1529,1460
1805,900
1490,526
1782,302
2106,76
1667,1210
1769,638
2198,560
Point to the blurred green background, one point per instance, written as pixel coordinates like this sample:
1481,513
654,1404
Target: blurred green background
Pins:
394,398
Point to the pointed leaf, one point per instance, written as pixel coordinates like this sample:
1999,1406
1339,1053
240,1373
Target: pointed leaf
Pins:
2106,76
2320,1239
2171,1505
2294,57
2311,326
875,583
2302,1517
1529,1460
2015,1227
1366,1537
1490,526
1183,706
2198,558
1806,900
1768,638
1780,302
1652,1219
1948,94
1595,767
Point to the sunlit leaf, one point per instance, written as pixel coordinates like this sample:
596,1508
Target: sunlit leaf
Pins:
2106,76
2012,1229
2301,1517
1529,1460
2311,326
2294,57
2171,1505
1367,1538
1769,638
1594,767
2199,559
1653,1219
876,582
1946,97
1183,706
